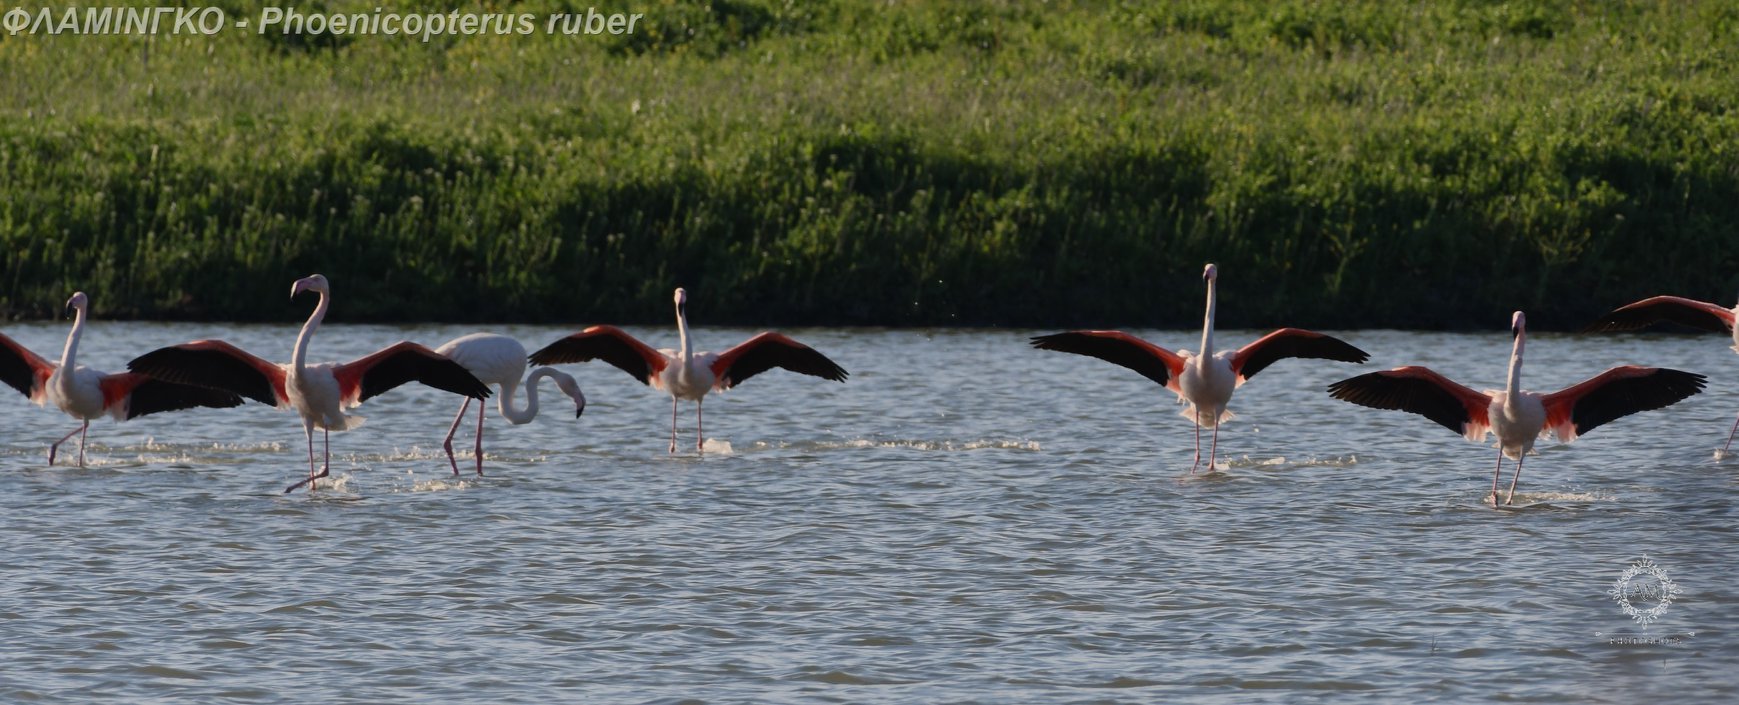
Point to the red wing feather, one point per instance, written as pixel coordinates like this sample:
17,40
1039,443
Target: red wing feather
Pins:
1420,391
1291,342
400,363
1118,348
767,351
1687,312
23,370
1614,394
216,364
607,343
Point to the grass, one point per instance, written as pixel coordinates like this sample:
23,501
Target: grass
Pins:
1356,164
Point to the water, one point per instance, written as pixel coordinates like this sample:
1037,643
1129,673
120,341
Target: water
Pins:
966,520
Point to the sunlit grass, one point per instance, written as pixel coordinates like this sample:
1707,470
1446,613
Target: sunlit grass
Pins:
920,162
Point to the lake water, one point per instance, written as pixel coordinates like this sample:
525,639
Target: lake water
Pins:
965,520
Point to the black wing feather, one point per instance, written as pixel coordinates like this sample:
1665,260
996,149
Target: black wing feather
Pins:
597,343
1295,342
1124,351
15,368
208,367
1623,397
154,395
1642,314
1380,390
409,362
782,353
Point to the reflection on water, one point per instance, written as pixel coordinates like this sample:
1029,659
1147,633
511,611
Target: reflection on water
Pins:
1011,526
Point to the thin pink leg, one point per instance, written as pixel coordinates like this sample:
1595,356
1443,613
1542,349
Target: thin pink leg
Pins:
1730,437
446,444
81,442
1494,474
699,435
1511,498
673,424
307,430
481,408
1213,448
1198,458
56,445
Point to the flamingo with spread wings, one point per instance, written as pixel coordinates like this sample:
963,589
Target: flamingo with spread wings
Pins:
1519,417
86,394
683,373
1203,380
1688,312
318,392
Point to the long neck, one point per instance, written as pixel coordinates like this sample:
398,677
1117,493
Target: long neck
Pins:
299,358
70,352
504,403
1513,386
1208,323
682,333
520,416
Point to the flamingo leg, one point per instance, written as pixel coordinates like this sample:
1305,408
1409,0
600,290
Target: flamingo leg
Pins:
1730,437
56,445
326,469
481,408
673,424
699,435
1494,474
1213,448
446,444
81,441
1198,458
1511,497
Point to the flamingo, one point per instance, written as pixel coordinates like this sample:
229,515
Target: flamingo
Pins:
500,360
1689,312
1519,417
685,374
1205,380
318,392
86,394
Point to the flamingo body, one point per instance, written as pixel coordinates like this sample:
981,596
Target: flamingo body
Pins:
87,394
500,361
318,392
683,373
1518,418
1203,380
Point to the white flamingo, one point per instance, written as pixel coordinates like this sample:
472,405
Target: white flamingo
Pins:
320,392
1519,417
500,360
683,373
86,394
1203,380
1688,312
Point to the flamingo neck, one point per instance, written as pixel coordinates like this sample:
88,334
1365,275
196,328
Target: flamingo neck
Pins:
70,353
1208,322
1513,385
687,348
522,416
299,357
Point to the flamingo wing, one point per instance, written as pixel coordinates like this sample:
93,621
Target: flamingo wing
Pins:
1118,348
767,351
218,365
1688,312
22,369
1614,394
367,377
1420,391
143,395
607,343
1291,342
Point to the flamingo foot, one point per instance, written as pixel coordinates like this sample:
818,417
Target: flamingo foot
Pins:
309,482
448,446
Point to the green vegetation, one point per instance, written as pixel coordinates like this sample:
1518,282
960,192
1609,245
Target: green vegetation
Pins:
1361,163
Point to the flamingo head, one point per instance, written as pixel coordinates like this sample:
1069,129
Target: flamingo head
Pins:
1210,273
312,282
1518,323
78,304
681,297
